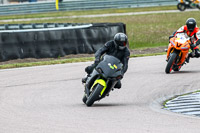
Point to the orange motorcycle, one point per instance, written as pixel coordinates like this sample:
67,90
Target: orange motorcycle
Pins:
177,52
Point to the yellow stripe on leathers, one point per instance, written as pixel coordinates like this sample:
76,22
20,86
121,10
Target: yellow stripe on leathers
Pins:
57,7
101,82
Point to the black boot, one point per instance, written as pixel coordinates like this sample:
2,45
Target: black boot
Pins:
118,85
188,58
197,53
88,70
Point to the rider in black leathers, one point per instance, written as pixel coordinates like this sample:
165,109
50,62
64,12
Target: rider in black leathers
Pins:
117,48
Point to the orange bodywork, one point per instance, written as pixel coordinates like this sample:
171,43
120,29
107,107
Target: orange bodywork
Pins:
182,47
196,1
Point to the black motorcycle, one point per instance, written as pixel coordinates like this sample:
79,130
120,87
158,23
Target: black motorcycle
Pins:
187,4
102,80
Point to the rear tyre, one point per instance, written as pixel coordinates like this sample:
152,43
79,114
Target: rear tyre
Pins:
170,63
94,95
181,6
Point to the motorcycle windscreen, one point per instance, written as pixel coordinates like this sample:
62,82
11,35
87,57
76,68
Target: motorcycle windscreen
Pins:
110,66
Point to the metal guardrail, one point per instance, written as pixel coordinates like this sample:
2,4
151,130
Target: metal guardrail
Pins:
69,5
41,27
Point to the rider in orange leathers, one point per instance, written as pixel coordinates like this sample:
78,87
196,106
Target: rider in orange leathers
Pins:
195,1
194,33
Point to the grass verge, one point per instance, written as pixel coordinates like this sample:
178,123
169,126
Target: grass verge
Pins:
147,30
62,61
86,12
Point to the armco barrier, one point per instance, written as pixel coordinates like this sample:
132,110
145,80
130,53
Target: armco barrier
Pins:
71,5
56,41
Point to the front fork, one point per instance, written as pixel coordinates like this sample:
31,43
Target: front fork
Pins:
169,51
180,54
111,87
97,81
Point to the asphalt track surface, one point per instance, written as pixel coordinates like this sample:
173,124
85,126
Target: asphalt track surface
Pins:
48,99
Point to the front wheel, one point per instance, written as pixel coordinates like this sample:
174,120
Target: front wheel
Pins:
94,95
171,62
181,6
84,99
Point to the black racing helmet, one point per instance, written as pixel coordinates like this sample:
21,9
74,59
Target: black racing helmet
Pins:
120,40
191,24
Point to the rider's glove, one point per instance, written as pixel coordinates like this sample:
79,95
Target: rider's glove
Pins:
171,36
96,61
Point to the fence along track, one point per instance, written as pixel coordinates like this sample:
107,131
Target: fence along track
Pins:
69,5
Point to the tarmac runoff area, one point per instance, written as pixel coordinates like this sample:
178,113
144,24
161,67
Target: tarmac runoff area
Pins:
100,15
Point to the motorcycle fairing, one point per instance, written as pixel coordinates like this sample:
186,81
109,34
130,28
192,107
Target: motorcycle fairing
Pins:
101,82
110,66
181,44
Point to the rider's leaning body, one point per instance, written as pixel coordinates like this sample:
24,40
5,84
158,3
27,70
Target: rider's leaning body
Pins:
194,35
117,48
110,49
193,32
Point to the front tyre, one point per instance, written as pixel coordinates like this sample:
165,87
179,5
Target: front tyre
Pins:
181,6
171,62
94,95
84,99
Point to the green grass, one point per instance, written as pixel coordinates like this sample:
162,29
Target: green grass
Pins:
86,12
150,30
52,62
61,61
144,31
142,55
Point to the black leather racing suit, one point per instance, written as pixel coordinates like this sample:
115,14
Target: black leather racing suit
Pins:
111,49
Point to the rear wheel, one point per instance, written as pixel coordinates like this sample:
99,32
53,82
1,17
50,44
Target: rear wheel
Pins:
181,6
171,62
94,95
